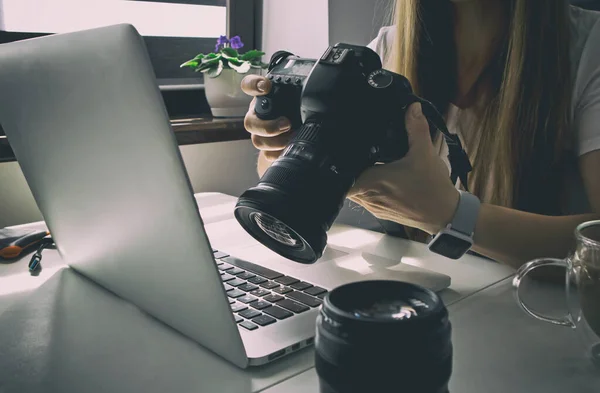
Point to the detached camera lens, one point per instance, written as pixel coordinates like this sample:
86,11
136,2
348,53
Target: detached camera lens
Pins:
383,336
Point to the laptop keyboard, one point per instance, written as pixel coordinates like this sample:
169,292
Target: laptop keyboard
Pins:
259,296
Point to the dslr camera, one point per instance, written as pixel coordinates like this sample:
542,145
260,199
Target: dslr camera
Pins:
347,114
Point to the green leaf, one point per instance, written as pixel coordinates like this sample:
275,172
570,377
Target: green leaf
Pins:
189,63
199,56
211,60
229,52
252,55
236,62
242,68
205,67
215,71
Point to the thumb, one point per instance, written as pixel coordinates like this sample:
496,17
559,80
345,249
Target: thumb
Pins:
417,128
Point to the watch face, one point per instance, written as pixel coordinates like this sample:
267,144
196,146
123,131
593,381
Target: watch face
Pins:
450,246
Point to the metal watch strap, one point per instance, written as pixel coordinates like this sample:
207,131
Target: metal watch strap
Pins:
467,212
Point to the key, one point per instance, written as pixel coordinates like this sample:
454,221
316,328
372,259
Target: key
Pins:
260,304
286,280
220,254
237,307
314,291
278,312
304,298
282,290
246,276
235,271
225,267
250,313
246,299
269,285
273,298
257,280
301,286
238,319
260,292
248,287
235,293
236,283
226,277
249,325
264,320
292,306
322,295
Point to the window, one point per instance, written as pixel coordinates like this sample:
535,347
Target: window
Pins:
174,30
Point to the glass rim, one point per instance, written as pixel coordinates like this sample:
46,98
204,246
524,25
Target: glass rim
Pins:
584,239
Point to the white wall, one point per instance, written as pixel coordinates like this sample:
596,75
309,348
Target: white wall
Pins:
297,26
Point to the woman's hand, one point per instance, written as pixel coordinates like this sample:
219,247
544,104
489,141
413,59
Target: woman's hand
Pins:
269,136
415,191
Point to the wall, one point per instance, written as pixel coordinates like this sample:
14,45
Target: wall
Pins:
357,21
300,27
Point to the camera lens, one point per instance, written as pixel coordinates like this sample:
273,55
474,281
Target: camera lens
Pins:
297,199
383,336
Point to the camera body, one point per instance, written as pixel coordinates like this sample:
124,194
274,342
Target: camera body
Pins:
347,114
346,77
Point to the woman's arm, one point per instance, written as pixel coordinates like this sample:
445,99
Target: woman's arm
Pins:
416,192
515,237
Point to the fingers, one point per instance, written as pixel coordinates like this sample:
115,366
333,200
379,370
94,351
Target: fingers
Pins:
256,85
275,143
272,155
417,127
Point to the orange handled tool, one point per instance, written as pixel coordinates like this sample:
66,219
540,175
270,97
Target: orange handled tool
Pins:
14,241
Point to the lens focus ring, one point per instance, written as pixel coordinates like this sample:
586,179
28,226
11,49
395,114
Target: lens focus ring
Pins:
285,177
309,132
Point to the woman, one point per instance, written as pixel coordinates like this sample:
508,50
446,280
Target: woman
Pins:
519,82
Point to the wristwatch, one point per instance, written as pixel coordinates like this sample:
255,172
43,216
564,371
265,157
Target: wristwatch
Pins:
457,238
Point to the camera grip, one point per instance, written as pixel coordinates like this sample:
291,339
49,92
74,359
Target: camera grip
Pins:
282,101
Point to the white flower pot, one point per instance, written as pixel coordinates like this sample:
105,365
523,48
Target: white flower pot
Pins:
224,93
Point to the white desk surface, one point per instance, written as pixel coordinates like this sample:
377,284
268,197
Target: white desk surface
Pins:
499,349
59,332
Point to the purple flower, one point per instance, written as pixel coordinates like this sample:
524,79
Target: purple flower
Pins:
221,42
236,42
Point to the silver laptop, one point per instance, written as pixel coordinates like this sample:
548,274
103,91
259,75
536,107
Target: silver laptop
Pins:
87,123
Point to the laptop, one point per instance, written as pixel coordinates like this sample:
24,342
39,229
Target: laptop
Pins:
86,120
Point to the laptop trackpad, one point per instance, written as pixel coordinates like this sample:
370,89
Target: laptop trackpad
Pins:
365,266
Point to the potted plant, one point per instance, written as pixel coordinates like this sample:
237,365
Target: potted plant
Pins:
223,72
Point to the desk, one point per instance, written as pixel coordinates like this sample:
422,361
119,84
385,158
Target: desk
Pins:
69,335
499,349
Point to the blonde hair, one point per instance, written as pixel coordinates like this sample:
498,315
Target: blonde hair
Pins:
524,118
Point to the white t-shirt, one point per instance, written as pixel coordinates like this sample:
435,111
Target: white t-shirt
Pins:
585,131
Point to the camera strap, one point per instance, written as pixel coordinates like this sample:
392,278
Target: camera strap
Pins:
457,156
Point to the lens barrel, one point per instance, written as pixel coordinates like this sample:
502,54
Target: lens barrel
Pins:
383,336
297,199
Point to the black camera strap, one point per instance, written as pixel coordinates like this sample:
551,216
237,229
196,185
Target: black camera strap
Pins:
457,156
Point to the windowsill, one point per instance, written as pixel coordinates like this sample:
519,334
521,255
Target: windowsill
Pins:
188,131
